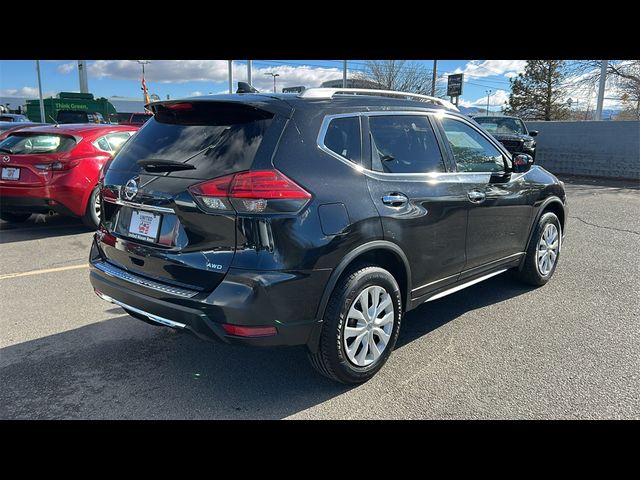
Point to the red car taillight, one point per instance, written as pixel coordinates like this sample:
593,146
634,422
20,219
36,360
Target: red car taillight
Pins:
259,191
57,166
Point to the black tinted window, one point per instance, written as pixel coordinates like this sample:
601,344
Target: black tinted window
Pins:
72,117
404,144
233,134
139,118
343,138
472,151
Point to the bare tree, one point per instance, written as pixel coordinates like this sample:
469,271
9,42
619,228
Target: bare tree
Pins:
401,75
624,75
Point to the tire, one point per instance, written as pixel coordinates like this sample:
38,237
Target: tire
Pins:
532,271
14,217
333,358
91,217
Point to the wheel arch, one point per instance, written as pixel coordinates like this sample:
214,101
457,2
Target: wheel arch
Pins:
551,204
383,253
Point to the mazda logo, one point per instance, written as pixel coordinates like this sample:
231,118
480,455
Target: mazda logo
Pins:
131,189
6,158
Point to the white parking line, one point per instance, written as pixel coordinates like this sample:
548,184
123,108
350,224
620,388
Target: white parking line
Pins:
45,270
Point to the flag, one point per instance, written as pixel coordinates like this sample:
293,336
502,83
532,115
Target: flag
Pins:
145,92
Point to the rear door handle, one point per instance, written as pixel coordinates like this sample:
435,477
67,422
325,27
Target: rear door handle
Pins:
476,196
395,199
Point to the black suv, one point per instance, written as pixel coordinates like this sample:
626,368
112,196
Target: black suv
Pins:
511,132
315,219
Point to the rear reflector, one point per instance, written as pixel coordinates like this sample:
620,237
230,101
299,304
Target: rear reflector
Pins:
239,331
258,191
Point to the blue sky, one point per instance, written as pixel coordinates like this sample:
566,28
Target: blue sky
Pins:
179,78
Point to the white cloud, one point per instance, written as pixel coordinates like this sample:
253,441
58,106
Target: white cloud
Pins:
24,92
497,99
66,68
196,93
489,68
213,71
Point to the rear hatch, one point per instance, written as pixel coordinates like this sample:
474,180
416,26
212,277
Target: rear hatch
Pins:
152,224
31,159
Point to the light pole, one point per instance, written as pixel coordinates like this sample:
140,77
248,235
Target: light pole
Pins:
488,92
603,81
344,74
42,119
434,77
274,75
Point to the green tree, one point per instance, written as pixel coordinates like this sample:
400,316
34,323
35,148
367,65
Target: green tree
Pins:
537,94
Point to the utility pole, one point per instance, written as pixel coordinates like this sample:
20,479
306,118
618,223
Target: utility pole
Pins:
82,74
249,62
488,92
603,81
344,74
230,76
42,119
434,78
274,75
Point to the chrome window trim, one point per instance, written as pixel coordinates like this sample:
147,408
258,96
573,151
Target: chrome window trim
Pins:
116,272
140,206
434,177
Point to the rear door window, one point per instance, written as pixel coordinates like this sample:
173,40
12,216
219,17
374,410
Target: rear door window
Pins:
212,136
404,144
117,140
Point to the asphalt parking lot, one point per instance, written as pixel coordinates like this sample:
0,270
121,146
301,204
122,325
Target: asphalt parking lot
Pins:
498,349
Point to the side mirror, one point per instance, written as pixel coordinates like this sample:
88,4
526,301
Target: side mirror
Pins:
522,163
533,133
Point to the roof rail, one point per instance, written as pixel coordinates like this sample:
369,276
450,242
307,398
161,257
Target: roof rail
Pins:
328,93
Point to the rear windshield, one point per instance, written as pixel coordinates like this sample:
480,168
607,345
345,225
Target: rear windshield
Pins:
214,137
24,144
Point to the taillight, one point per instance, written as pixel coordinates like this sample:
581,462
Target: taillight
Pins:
259,191
57,165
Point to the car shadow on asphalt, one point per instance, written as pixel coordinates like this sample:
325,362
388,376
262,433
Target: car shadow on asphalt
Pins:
122,368
41,226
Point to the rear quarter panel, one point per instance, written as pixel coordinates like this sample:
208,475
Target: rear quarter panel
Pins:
297,242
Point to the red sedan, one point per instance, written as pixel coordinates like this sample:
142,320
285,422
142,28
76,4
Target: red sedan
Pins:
56,169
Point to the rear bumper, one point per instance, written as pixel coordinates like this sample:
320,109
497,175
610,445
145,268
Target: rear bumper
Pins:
284,300
42,203
40,199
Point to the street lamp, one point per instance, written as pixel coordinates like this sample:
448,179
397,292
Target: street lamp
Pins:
274,75
488,92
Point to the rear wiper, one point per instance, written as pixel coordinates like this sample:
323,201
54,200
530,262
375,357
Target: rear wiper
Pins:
153,165
158,165
6,150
